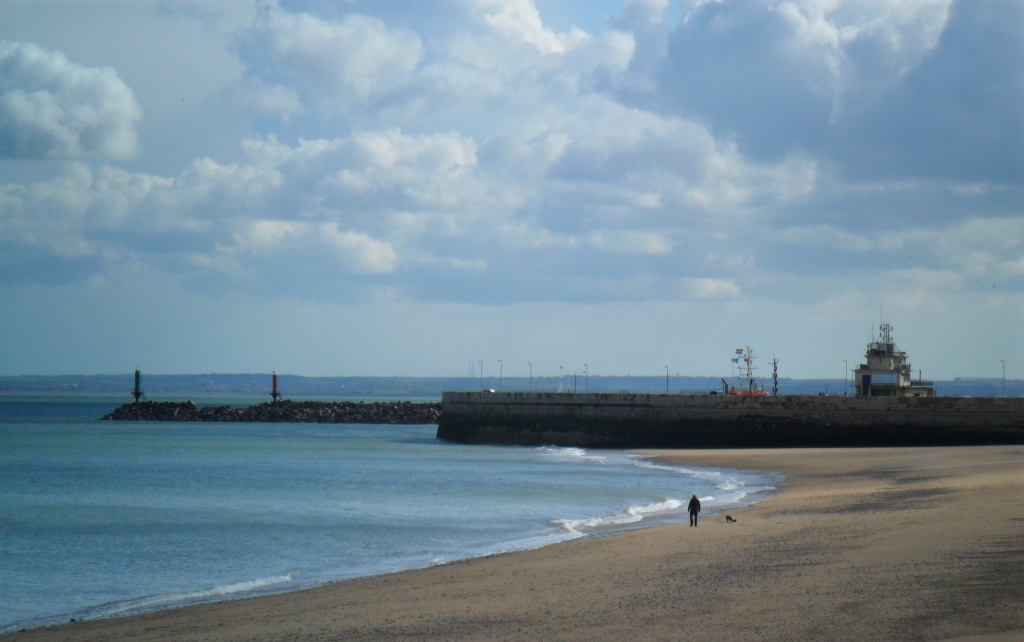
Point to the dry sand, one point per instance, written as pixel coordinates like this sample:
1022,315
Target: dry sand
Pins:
860,544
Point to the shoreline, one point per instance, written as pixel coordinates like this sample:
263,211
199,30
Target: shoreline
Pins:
755,486
879,543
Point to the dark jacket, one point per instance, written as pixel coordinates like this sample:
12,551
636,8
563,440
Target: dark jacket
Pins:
694,506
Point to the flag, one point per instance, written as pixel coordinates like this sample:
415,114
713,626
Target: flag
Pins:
735,359
739,350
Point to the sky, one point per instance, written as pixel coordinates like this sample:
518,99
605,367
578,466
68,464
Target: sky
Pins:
440,188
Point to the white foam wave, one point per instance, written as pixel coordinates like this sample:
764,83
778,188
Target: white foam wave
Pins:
158,601
630,515
572,453
527,543
720,480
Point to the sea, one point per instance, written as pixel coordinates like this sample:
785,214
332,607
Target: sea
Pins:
101,518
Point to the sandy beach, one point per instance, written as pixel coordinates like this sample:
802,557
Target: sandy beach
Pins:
859,544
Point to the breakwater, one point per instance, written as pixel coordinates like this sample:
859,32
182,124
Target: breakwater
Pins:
285,411
601,420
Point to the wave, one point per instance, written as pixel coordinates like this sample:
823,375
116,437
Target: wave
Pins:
630,515
164,601
732,488
729,483
571,453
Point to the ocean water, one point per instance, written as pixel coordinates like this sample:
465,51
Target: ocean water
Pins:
99,519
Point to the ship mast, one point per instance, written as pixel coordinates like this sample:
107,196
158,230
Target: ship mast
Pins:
746,355
748,358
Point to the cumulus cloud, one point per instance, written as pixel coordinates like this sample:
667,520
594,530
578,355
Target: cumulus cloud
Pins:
547,163
257,97
354,56
65,215
51,107
954,116
875,90
714,160
352,201
357,251
631,242
521,22
711,288
782,72
989,249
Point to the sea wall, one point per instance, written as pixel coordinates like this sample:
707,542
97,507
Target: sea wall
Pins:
601,420
285,411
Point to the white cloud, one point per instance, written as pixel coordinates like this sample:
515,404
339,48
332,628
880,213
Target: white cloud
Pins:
354,56
472,264
258,98
631,242
357,251
365,254
519,21
68,214
784,74
642,14
51,107
827,237
528,234
754,156
866,48
711,288
991,249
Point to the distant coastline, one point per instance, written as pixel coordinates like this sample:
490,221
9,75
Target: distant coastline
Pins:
161,387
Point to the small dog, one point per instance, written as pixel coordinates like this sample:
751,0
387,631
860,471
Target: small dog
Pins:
729,519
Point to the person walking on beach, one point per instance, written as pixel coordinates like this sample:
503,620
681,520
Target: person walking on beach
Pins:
694,508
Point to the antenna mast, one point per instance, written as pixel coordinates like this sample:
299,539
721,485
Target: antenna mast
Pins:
775,377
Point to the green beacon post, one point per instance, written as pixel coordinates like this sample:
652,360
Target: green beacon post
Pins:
137,392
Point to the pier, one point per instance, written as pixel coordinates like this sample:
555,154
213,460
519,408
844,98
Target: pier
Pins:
610,420
283,411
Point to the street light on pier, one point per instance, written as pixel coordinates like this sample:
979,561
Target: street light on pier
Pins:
586,380
1003,361
530,363
666,378
846,371
481,375
500,369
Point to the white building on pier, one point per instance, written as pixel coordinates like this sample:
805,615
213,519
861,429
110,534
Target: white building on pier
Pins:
887,372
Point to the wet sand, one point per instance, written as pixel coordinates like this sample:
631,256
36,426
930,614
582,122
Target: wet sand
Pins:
859,544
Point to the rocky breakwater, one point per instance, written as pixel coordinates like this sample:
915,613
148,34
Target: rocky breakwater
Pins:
324,412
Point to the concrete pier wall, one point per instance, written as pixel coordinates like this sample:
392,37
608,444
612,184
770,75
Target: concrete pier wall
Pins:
604,420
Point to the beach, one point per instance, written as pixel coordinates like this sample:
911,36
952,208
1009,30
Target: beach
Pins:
858,544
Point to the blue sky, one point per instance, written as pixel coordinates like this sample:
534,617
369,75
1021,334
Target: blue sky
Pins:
409,188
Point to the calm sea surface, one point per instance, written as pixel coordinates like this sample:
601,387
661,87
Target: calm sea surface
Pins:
109,518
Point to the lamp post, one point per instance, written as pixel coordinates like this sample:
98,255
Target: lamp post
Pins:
1003,361
530,363
846,371
500,368
666,380
586,380
561,377
481,375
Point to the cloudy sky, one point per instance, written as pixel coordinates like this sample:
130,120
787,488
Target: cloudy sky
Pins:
408,188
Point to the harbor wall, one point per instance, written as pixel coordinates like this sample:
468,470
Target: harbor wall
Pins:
613,420
283,411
